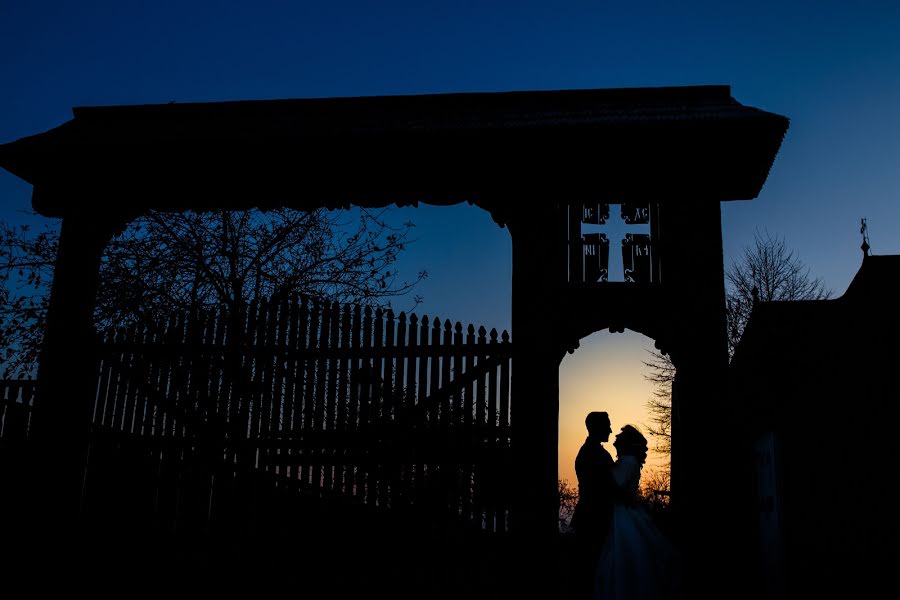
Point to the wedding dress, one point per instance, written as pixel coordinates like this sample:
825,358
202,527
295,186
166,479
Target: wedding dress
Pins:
637,561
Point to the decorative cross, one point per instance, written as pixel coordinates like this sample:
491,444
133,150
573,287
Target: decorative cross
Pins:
632,231
864,230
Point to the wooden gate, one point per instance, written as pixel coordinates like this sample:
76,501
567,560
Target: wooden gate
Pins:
203,418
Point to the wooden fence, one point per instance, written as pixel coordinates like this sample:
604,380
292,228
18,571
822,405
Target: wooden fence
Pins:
194,417
16,402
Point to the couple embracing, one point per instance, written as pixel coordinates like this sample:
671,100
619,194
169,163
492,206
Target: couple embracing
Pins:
621,554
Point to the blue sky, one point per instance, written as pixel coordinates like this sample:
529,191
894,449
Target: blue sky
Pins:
832,67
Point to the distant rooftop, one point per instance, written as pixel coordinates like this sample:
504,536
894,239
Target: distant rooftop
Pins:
777,330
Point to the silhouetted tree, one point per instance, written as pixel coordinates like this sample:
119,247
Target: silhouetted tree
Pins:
659,406
767,270
164,263
770,271
26,269
655,487
568,499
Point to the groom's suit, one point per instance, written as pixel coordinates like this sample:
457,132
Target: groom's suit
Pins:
593,514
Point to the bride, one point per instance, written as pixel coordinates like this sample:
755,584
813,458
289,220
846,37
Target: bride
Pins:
637,561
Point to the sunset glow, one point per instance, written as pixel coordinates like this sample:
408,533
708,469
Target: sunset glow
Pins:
606,373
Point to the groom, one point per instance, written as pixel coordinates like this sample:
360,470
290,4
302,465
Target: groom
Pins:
593,514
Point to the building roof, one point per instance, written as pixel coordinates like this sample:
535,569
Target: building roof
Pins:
796,354
660,144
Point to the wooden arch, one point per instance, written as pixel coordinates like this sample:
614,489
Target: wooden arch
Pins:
522,156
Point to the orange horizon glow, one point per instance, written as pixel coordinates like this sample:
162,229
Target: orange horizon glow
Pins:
606,373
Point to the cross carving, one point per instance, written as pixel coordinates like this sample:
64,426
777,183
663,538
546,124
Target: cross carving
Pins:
630,228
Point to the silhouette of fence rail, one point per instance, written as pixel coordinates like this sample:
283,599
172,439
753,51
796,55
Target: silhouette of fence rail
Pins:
199,418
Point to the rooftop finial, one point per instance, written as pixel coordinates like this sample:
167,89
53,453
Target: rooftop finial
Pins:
864,230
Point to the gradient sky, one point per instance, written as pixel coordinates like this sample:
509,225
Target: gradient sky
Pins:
832,67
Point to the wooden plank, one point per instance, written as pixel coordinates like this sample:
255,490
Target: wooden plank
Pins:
209,389
457,420
330,424
469,362
399,374
309,398
365,375
171,455
215,413
165,500
468,409
411,424
504,429
193,370
290,380
387,407
344,479
267,362
159,381
376,404
446,417
178,383
137,375
136,400
300,384
505,417
217,390
105,381
423,416
193,435
244,375
260,372
275,343
319,411
118,380
388,365
434,349
491,419
353,424
481,427
397,425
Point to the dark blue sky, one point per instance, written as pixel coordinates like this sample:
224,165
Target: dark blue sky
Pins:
832,67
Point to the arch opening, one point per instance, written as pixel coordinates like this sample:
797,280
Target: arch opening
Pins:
616,373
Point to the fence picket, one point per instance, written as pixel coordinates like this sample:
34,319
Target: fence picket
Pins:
409,427
492,423
331,399
325,397
319,410
342,426
309,390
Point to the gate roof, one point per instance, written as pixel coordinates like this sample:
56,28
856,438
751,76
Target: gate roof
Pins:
497,150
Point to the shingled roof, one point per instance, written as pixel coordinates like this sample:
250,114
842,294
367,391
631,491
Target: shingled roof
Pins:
685,143
786,345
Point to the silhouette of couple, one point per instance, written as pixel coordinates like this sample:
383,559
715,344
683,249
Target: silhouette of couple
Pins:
620,552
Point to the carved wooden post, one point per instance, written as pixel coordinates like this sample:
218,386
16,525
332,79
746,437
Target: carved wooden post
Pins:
697,325
535,393
67,374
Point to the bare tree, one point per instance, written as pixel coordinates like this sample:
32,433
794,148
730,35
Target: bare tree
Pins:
568,500
26,270
659,406
768,271
165,263
655,487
